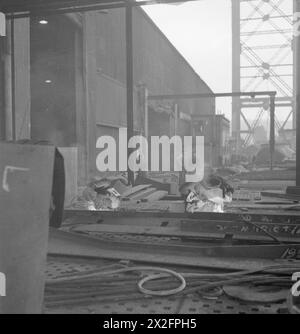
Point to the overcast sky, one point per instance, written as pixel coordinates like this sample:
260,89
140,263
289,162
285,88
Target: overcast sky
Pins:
201,31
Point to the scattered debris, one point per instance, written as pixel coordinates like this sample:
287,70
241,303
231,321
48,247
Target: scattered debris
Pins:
110,194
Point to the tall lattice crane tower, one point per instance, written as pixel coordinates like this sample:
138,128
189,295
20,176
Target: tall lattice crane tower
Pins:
263,58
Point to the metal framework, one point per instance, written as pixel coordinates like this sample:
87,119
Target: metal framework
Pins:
262,60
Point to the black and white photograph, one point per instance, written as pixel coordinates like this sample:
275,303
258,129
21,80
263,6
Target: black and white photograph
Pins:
149,160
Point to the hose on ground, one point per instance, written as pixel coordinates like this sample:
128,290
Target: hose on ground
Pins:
225,279
166,272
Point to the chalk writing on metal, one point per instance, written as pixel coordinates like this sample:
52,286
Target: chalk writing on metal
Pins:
291,229
290,253
7,170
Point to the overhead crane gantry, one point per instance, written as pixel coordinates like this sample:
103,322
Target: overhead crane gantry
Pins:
262,58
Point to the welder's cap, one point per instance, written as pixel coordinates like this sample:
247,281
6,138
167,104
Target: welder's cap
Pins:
212,182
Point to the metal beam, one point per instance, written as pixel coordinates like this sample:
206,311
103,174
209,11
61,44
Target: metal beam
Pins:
261,105
202,217
37,7
266,99
51,12
210,95
272,130
195,230
236,72
18,6
129,85
72,244
297,41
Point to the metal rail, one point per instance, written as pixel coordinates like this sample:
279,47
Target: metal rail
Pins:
72,244
250,227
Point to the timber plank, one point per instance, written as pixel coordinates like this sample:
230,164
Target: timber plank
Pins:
135,189
156,196
142,194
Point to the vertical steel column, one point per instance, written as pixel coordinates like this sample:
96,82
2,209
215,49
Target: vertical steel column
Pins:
272,130
236,71
146,112
297,89
176,118
13,79
129,83
294,46
8,85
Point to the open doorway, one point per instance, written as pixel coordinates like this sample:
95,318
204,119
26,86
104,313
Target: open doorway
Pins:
53,81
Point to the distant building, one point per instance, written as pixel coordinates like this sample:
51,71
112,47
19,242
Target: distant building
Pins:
216,132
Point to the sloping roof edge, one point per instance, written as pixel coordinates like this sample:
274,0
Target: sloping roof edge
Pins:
148,18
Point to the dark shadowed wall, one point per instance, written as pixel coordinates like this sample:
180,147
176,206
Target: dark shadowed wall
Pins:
53,104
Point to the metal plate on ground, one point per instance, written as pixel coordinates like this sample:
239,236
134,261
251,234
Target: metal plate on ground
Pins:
191,304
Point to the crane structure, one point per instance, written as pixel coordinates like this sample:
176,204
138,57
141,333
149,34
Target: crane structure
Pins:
262,59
